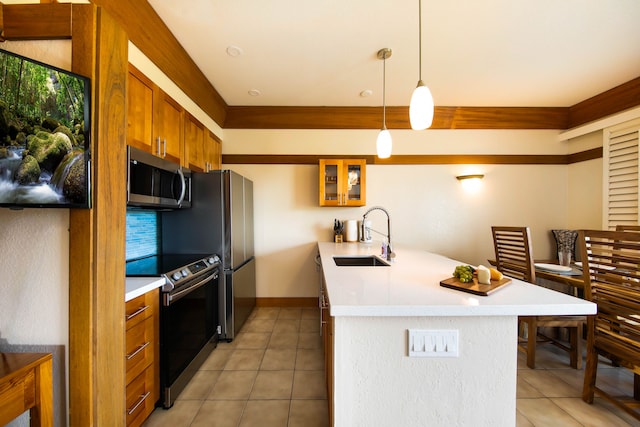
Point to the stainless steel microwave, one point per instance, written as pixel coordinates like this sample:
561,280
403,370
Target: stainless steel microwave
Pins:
155,183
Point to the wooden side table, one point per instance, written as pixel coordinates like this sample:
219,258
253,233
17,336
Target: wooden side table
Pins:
26,383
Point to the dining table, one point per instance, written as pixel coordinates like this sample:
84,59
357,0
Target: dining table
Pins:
545,271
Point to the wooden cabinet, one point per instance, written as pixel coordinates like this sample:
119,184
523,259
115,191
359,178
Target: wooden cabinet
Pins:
327,345
194,132
342,182
142,356
203,150
168,125
159,125
140,92
212,151
155,121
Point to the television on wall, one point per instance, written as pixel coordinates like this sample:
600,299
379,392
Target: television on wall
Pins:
45,144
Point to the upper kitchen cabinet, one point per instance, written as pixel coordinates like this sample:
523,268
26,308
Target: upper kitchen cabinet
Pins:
168,126
342,182
155,121
140,111
194,132
212,151
202,149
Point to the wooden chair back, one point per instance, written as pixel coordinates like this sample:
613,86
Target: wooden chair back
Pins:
514,257
611,273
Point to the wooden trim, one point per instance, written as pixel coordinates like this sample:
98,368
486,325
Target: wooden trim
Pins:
248,117
36,21
97,235
109,219
81,249
613,101
2,6
149,33
427,159
594,153
480,159
287,302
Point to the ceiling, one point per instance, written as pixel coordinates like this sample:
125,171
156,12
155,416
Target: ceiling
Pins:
542,53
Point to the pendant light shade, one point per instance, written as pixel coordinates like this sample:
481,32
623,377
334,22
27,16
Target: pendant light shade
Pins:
384,143
421,106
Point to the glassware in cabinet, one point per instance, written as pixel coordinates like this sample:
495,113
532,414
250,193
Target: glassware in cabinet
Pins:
342,182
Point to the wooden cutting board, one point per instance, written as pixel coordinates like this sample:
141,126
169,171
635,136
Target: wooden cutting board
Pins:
475,287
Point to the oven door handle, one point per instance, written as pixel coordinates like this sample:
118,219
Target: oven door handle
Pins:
171,297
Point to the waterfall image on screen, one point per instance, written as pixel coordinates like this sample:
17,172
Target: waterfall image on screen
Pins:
44,135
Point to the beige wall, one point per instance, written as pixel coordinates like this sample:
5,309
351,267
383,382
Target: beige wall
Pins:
585,184
429,208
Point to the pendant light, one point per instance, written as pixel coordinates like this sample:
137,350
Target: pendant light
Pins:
421,107
383,144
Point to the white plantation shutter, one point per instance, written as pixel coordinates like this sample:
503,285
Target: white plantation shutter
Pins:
620,160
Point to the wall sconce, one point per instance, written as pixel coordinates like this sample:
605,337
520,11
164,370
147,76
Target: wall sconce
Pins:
471,183
477,177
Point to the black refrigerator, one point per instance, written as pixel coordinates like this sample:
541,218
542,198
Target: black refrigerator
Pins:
220,221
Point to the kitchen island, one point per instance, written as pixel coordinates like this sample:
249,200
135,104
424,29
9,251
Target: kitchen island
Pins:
376,383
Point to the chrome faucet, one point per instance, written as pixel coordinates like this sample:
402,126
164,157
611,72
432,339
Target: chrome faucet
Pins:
366,231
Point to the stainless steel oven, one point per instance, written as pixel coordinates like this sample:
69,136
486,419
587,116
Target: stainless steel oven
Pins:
188,315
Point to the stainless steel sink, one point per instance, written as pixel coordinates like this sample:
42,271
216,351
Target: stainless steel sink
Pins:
360,261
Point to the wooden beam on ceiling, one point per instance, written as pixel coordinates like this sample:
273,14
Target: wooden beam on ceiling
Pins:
427,159
613,101
36,21
248,117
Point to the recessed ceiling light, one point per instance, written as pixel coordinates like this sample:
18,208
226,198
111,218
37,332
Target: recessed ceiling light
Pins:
234,51
254,92
365,93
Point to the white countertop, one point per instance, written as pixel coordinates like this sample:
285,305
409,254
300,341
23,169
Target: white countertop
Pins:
411,287
136,286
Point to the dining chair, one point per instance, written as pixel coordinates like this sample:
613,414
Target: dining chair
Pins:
611,274
514,258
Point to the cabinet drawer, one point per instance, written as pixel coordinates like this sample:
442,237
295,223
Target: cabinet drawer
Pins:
137,310
141,398
140,348
140,308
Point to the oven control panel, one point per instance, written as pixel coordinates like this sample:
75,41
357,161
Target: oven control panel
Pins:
192,271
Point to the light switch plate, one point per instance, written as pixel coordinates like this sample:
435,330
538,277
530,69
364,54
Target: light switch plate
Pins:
433,343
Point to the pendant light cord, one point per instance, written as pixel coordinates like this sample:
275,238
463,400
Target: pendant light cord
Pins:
419,39
384,91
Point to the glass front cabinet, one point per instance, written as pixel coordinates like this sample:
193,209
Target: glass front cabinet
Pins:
342,182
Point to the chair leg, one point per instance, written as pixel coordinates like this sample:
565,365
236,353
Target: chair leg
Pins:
636,386
590,371
575,355
532,336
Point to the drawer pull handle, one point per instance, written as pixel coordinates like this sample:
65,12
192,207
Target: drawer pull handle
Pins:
135,313
143,397
138,350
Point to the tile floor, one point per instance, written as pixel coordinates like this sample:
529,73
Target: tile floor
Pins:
272,375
